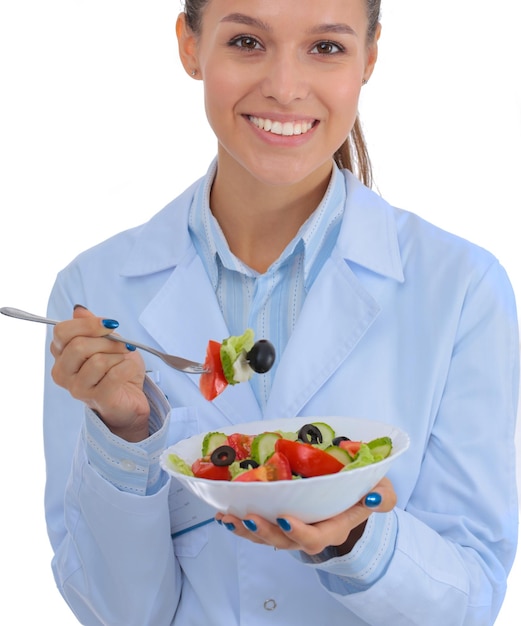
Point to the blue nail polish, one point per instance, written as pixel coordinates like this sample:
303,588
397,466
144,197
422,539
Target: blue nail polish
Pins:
130,347
112,324
284,524
373,499
250,525
229,525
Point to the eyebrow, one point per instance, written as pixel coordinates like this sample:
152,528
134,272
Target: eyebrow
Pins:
240,18
247,20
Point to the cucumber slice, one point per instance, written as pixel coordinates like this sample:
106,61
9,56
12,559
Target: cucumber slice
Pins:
263,446
328,434
236,469
179,465
380,448
231,349
212,441
340,454
288,434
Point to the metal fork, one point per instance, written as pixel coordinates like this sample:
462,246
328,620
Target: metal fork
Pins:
177,362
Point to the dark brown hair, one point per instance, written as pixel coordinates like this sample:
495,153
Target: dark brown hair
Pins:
352,154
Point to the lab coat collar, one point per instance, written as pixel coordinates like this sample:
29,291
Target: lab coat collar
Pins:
162,243
368,236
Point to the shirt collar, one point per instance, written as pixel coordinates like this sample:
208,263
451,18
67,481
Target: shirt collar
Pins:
369,233
317,232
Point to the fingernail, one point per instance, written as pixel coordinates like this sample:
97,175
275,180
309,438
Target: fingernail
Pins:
112,324
373,499
229,525
79,306
219,521
130,347
250,524
284,524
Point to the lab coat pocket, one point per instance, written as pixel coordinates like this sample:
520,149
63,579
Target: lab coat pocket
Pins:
189,516
190,544
183,424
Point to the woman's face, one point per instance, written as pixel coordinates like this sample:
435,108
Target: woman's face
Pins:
282,81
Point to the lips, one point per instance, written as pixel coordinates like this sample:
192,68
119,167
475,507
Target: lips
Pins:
287,129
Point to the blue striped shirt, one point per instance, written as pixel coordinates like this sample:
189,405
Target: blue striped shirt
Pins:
268,303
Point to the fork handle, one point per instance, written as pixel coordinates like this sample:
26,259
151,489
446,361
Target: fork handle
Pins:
24,315
31,317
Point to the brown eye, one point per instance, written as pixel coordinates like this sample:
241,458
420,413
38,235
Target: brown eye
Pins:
246,43
327,47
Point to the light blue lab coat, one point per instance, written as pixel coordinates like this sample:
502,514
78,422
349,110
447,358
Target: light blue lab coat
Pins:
405,324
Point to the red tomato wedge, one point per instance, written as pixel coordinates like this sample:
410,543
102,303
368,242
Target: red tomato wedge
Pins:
306,460
241,444
275,468
213,382
352,447
206,469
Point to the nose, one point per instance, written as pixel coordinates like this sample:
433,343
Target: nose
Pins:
285,79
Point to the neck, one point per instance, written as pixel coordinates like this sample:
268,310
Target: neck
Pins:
259,220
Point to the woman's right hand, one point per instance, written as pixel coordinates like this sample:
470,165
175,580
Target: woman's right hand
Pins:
103,374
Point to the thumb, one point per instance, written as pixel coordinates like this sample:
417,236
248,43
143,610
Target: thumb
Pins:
80,312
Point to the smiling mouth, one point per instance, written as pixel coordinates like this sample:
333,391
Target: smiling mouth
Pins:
287,129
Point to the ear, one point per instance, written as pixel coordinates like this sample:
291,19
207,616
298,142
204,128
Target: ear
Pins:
372,53
187,42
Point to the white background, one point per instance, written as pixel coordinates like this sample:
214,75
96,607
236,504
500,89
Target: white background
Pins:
100,127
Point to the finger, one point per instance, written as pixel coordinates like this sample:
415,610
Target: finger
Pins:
70,360
382,498
257,530
84,323
96,373
314,538
236,525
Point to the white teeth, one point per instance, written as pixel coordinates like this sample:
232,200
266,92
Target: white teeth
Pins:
288,129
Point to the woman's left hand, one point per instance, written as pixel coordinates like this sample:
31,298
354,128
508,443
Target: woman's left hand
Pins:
292,534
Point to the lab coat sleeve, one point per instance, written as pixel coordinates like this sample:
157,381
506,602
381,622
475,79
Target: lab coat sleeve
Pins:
113,556
456,536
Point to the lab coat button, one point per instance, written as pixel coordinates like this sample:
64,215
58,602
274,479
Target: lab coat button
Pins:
270,605
128,465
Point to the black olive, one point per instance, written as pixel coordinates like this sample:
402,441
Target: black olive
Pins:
309,433
337,440
223,455
261,357
248,464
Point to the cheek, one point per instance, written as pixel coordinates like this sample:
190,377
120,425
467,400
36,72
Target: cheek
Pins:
344,103
219,98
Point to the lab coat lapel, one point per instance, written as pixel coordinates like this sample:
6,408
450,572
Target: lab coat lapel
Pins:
338,310
336,314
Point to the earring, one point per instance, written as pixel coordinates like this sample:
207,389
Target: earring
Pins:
193,72
364,81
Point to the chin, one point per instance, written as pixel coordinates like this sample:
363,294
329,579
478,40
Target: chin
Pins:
284,172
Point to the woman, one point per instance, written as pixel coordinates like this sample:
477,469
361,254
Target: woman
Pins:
373,312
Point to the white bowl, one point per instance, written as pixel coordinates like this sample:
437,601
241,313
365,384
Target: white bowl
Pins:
309,499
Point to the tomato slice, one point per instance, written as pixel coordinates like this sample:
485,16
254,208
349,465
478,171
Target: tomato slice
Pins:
275,468
213,382
352,447
241,444
306,460
206,469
